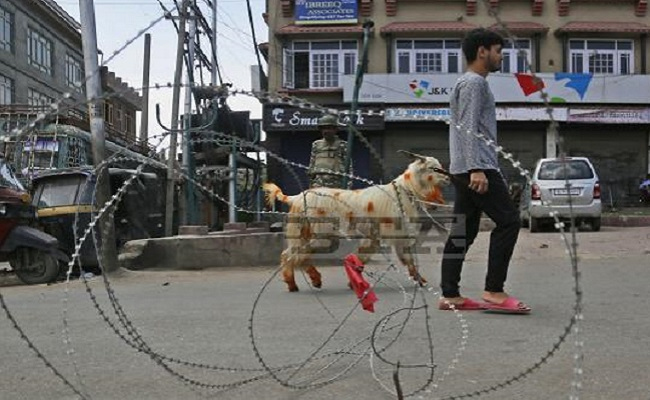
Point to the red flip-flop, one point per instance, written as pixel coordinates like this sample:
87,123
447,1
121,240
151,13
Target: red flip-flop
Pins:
466,305
511,305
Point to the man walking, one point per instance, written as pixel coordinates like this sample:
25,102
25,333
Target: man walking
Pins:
478,182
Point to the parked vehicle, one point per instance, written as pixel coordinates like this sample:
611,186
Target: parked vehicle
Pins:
567,186
33,255
65,196
644,191
60,146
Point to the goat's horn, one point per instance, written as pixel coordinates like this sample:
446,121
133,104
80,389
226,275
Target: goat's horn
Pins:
414,155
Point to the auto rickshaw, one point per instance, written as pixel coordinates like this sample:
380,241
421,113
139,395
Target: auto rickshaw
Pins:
33,255
65,199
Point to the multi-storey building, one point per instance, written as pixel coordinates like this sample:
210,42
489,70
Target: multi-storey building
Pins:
41,59
590,58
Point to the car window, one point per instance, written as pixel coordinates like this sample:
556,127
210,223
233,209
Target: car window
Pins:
561,170
59,192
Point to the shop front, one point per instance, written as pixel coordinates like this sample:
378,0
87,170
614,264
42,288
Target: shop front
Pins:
603,117
291,131
617,140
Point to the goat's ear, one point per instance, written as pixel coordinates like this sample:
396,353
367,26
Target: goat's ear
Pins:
413,156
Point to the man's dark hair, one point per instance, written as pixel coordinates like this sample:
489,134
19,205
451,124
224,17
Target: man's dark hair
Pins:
479,37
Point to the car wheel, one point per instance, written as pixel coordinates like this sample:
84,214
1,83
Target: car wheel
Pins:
524,222
34,266
533,224
595,224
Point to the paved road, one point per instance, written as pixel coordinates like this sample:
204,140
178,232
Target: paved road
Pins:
203,317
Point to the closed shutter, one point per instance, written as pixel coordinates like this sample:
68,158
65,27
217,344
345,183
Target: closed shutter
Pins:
619,154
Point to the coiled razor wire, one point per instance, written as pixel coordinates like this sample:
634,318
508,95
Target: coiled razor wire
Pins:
104,210
130,329
194,183
116,198
133,338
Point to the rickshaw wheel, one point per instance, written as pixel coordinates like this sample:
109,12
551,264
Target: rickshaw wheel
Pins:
34,266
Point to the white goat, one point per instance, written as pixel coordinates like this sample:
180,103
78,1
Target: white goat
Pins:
379,213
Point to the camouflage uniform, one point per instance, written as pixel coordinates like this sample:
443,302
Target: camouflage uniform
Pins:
328,156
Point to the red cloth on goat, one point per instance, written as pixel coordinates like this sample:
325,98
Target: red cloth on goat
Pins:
435,196
354,269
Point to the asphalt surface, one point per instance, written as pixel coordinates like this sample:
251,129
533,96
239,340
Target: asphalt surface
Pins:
203,317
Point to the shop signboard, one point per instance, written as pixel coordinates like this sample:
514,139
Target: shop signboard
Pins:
610,115
560,88
309,12
414,114
285,118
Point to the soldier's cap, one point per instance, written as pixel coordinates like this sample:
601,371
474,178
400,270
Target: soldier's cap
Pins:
328,120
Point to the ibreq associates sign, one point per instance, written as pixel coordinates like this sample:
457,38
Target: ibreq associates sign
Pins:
326,12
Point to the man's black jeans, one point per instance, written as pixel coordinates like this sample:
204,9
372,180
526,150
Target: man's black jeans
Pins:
469,205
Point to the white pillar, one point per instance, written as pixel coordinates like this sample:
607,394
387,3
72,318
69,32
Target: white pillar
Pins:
551,141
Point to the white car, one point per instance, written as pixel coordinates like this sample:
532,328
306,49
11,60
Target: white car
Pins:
567,186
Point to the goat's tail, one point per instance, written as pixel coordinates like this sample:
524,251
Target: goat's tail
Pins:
273,193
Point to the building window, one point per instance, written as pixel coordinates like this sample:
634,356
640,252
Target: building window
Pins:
516,57
108,113
39,51
117,122
74,75
318,65
601,56
6,90
129,127
6,30
36,98
428,56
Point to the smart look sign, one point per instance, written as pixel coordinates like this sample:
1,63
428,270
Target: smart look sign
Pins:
326,12
285,118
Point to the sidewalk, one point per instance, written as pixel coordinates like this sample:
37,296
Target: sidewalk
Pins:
629,217
625,217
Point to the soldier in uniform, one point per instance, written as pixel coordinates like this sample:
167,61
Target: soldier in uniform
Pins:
328,155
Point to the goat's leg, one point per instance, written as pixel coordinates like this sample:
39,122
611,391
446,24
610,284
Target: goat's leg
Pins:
288,265
314,276
406,257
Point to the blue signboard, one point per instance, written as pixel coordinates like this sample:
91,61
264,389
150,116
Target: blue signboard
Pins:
326,12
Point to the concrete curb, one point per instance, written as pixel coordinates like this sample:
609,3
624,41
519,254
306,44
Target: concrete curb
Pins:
629,221
249,247
192,252
626,220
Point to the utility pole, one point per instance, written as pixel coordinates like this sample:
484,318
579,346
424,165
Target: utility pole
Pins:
232,183
95,113
213,80
171,162
361,66
232,160
188,162
144,118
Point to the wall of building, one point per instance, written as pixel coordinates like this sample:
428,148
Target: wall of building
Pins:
15,65
551,51
62,31
621,159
